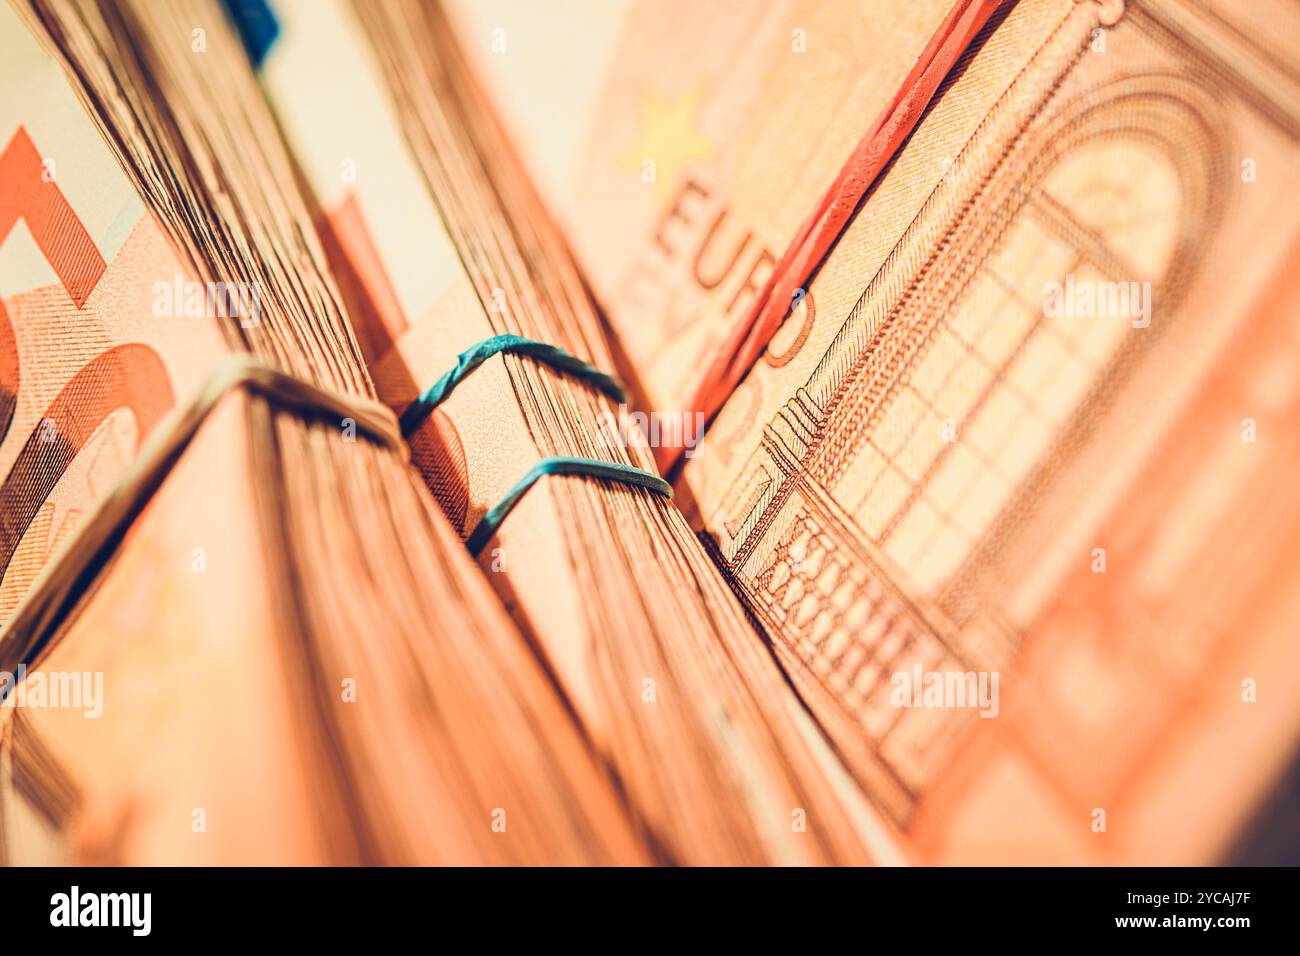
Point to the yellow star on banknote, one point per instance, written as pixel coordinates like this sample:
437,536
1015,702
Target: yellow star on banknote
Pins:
670,138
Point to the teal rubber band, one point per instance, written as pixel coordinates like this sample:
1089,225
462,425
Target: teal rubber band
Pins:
562,465
472,358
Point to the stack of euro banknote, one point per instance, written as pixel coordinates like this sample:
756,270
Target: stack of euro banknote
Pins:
986,551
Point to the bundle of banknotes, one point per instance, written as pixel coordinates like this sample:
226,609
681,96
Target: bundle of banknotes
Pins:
989,556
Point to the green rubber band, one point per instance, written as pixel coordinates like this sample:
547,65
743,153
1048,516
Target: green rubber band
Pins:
472,358
562,465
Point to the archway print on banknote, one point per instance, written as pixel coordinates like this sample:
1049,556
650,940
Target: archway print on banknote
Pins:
793,515
1036,216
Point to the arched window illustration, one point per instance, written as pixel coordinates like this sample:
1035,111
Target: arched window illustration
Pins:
1066,264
